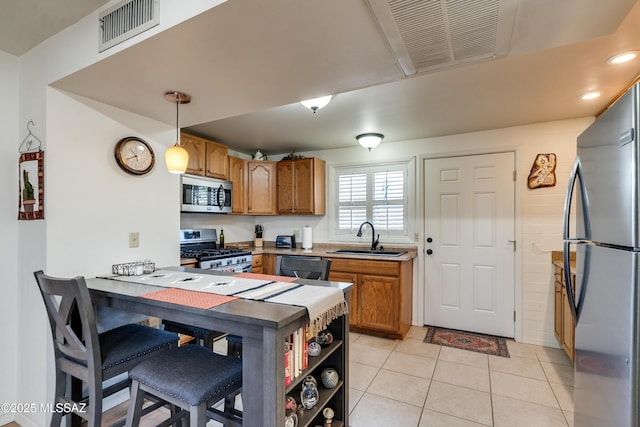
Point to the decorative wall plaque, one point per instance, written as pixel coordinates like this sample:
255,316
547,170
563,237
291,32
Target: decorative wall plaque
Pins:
543,171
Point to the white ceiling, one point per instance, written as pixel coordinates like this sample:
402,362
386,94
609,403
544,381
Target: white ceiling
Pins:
26,23
247,63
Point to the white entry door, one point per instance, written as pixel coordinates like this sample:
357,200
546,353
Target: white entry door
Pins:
469,259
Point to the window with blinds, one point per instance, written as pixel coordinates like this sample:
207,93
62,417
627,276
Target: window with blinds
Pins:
375,193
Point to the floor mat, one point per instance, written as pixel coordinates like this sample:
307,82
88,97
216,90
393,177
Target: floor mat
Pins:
471,341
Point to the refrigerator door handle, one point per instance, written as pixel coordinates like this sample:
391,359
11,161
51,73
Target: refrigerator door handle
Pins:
576,176
575,304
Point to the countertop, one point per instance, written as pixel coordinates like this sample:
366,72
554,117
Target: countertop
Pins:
557,260
324,250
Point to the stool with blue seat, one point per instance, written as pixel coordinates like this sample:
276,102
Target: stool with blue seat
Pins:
192,378
81,353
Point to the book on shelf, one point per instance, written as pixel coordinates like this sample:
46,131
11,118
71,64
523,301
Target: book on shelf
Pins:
296,358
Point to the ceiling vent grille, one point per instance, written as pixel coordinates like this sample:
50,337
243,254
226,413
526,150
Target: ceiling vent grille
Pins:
432,34
127,19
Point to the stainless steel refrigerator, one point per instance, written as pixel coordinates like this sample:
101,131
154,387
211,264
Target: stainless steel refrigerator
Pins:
603,191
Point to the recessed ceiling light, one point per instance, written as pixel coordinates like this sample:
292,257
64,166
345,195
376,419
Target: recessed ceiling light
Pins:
590,95
622,57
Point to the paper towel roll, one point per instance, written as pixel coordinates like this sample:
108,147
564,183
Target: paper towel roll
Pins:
307,237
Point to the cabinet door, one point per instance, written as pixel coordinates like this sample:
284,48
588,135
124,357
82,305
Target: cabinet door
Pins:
196,148
303,194
378,302
261,187
237,176
286,186
217,160
558,304
354,312
269,263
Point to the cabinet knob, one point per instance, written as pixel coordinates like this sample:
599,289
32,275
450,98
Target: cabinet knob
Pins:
429,251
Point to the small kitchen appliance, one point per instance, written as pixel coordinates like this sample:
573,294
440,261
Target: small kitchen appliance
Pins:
202,244
286,242
200,194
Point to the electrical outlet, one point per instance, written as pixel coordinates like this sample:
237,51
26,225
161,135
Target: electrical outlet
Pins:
134,239
416,237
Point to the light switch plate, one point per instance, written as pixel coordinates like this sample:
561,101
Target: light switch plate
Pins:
134,239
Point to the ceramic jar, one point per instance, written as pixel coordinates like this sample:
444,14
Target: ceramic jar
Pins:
329,378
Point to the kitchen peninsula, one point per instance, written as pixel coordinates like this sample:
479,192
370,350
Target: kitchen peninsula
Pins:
263,327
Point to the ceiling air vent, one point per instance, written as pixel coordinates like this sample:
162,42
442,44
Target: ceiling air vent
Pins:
426,35
127,19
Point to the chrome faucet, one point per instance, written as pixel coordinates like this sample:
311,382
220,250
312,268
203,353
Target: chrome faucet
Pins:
374,240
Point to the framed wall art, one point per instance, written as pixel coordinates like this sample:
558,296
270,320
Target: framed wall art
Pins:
31,186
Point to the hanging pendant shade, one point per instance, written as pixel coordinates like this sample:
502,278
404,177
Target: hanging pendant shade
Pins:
176,157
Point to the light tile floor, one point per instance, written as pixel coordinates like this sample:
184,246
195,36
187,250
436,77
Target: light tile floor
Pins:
413,384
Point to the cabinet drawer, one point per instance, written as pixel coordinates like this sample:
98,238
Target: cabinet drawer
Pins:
256,261
386,268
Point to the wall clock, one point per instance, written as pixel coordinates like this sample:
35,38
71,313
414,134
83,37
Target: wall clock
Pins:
134,155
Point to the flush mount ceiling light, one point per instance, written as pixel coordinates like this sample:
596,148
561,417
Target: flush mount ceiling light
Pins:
317,103
177,157
623,57
590,95
370,140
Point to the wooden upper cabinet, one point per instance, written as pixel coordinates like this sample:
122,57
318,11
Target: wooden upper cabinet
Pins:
216,160
301,186
206,158
238,177
261,187
195,147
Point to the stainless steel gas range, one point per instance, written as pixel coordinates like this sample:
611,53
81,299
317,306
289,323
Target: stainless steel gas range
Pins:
202,244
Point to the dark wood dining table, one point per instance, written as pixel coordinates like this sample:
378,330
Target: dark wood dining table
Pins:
263,327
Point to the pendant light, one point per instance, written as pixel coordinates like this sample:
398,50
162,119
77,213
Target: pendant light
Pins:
370,140
176,157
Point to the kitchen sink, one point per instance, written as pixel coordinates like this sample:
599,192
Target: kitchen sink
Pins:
367,252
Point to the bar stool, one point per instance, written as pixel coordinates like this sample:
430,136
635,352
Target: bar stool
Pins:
192,378
87,355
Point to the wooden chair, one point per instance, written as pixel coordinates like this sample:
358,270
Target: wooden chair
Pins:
192,378
81,353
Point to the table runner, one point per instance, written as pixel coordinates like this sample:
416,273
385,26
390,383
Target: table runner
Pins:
323,304
189,298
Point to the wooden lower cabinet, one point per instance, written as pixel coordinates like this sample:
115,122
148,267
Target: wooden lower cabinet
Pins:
564,328
381,298
269,263
256,264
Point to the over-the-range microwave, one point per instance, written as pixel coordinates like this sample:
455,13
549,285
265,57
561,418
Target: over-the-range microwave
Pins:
200,194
